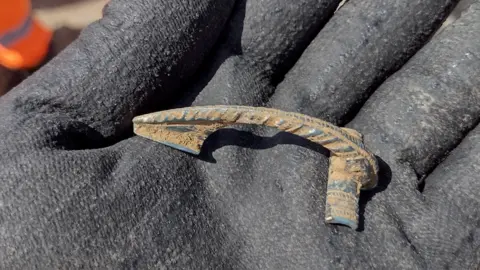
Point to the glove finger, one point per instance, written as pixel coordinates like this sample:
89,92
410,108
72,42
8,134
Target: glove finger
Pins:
412,121
451,194
424,110
262,41
360,46
132,59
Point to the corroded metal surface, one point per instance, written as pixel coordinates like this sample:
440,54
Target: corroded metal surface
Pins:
352,166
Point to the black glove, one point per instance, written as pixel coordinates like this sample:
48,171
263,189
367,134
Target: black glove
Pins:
79,191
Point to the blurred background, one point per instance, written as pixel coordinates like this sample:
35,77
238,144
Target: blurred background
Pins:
68,17
71,13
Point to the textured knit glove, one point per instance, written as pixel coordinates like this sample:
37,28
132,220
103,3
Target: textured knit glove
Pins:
80,191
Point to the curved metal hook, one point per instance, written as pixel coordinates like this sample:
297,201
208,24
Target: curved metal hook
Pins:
352,166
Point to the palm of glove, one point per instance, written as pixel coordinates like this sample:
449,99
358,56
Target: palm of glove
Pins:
79,192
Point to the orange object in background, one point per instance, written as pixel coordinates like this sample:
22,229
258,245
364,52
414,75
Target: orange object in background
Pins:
24,41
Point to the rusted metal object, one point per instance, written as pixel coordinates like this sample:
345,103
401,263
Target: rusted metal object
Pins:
352,166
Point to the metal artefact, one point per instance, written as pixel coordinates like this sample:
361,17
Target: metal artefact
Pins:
352,166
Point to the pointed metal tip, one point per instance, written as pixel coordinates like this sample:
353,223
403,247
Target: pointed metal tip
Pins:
353,224
150,118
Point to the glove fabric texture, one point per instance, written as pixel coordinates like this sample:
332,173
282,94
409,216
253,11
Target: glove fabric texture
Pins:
80,191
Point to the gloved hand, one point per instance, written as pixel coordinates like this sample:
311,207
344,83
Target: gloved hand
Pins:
80,191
